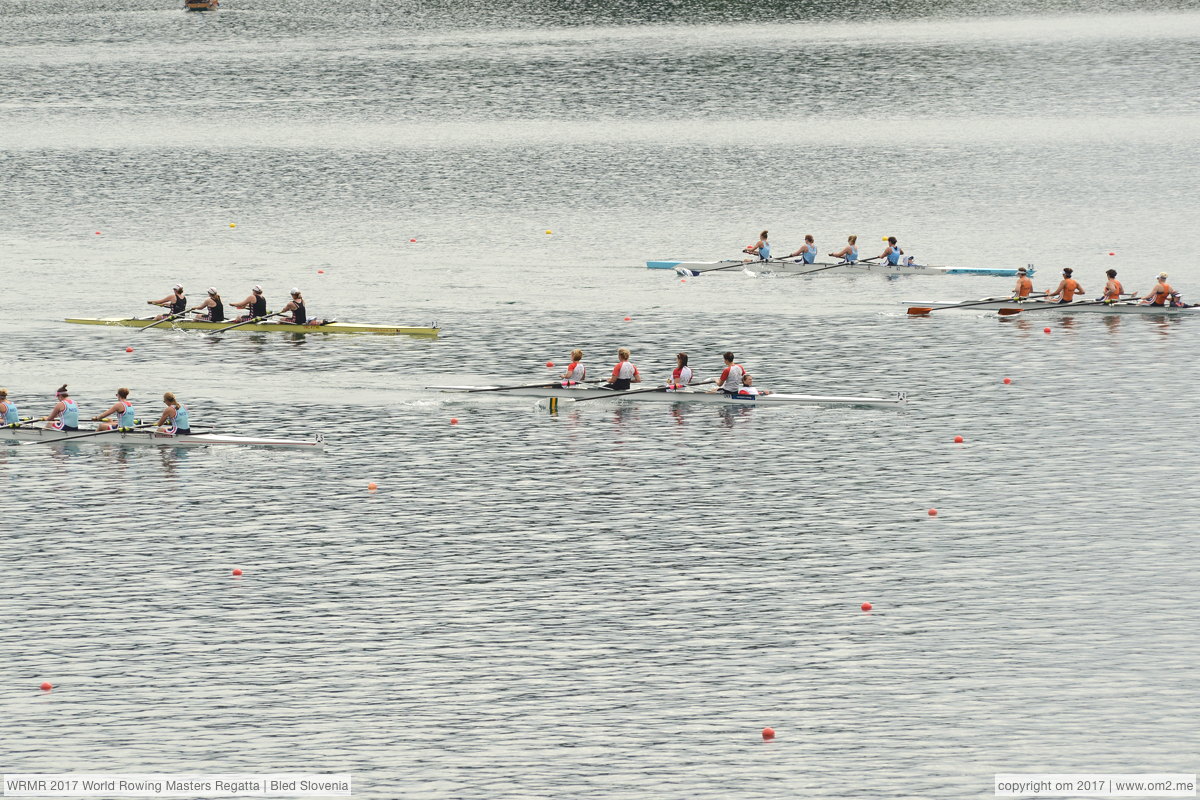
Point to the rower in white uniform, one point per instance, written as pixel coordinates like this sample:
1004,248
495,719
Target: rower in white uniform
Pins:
624,373
682,375
807,251
731,378
748,387
576,371
122,410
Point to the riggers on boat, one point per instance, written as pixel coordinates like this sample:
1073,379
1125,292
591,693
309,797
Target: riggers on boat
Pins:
151,438
661,395
1007,305
791,266
261,327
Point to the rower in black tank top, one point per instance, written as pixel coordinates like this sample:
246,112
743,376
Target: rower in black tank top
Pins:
179,306
217,312
259,307
299,314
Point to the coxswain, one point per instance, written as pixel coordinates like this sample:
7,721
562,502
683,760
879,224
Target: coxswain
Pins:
731,378
1113,289
576,371
65,416
624,373
10,416
215,306
1160,295
174,419
682,375
807,252
749,389
849,253
175,303
296,306
122,410
1067,288
892,253
254,306
1024,285
761,248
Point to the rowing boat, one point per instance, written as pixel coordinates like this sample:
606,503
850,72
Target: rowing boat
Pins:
261,327
200,5
797,267
1078,306
684,396
153,438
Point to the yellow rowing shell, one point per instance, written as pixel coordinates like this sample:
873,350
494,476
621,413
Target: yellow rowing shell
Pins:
262,327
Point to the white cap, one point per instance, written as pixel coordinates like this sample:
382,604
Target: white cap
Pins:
211,290
257,289
295,290
177,288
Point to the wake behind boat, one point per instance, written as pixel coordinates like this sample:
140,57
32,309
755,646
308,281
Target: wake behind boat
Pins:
790,266
683,395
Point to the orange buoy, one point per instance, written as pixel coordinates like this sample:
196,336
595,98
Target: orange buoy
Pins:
865,606
958,440
371,487
933,512
768,733
47,686
236,572
128,349
1007,381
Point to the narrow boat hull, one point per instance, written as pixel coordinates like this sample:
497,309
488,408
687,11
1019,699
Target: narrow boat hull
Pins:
794,267
715,398
153,439
1041,307
261,327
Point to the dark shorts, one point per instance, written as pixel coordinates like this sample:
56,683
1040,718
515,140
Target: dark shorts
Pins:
621,384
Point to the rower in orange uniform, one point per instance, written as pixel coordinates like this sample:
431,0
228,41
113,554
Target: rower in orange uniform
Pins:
1024,285
1067,288
1113,289
1160,295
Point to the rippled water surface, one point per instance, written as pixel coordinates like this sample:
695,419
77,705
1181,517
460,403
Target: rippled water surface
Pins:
611,600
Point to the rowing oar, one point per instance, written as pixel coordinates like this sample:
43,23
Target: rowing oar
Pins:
542,385
922,311
737,265
247,322
1008,312
93,433
636,391
167,318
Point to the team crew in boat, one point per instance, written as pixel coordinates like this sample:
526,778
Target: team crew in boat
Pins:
682,375
1113,289
65,415
576,371
761,248
174,419
1024,285
748,387
175,303
254,306
850,251
215,306
296,307
807,251
122,410
731,378
1067,288
892,252
1160,295
10,415
624,373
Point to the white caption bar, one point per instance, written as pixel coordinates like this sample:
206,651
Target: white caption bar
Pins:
1096,784
114,784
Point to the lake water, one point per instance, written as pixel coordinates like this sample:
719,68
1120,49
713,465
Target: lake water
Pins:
610,601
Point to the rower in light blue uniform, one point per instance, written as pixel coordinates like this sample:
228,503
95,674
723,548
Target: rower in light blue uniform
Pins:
65,416
892,252
849,252
761,248
807,251
174,419
9,415
122,410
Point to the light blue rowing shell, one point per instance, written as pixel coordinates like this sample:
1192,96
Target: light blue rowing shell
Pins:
796,267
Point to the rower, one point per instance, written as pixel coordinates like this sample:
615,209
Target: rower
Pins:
65,416
576,371
175,303
296,306
255,305
1113,289
761,248
682,375
1024,285
892,252
122,410
749,389
174,418
731,378
807,251
216,308
624,373
849,253
9,414
1067,288
1160,295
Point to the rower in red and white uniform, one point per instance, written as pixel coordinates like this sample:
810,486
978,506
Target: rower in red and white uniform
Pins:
1067,288
1113,289
749,389
576,371
1160,295
1024,285
682,375
624,373
731,378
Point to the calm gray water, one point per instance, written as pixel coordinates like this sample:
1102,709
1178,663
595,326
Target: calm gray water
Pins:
610,601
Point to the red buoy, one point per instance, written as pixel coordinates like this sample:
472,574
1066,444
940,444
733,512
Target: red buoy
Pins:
865,606
1046,330
454,420
1007,381
1112,254
371,487
549,363
628,318
236,571
768,733
958,440
128,349
412,240
320,272
47,686
933,512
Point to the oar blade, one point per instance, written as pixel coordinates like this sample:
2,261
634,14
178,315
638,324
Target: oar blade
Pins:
918,311
1008,312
